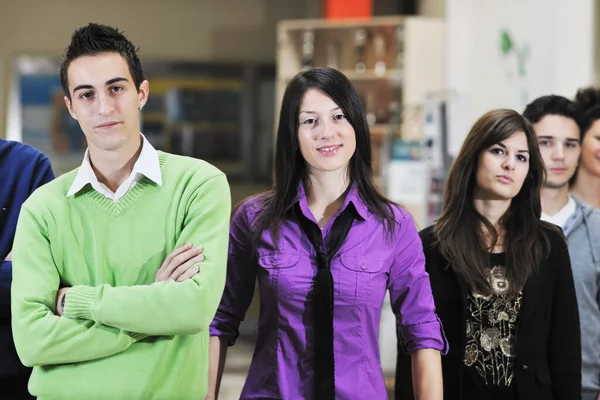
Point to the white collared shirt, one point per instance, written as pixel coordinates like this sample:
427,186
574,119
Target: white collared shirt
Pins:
561,217
146,165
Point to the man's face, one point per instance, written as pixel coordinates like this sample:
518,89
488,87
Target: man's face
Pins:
105,101
558,137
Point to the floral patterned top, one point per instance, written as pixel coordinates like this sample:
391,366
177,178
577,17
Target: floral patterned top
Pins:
491,327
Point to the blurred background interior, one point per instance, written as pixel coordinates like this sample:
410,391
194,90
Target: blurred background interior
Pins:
425,69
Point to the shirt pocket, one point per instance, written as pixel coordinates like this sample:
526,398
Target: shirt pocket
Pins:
279,276
356,278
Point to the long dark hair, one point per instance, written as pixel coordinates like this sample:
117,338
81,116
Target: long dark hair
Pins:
290,168
461,231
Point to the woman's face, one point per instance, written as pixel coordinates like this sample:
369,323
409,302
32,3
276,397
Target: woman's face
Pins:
502,169
590,150
325,137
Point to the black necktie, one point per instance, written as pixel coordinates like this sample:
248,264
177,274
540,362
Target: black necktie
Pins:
323,299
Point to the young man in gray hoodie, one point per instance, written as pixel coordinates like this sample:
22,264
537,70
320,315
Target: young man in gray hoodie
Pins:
558,126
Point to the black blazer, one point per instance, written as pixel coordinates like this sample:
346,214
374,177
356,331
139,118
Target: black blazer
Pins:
548,364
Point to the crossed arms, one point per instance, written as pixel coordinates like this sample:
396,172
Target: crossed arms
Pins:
102,321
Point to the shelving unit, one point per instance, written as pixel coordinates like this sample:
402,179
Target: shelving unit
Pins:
220,113
392,61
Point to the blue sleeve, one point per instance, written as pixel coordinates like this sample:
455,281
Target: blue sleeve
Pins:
43,173
5,281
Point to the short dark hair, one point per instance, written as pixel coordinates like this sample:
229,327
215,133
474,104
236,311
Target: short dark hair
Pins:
553,105
588,101
94,39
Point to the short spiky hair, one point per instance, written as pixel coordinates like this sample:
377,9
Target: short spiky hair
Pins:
95,39
553,105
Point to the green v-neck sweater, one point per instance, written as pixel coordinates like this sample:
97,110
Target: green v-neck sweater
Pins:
123,336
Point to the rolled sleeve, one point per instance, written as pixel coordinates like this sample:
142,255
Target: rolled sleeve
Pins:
410,291
226,327
427,335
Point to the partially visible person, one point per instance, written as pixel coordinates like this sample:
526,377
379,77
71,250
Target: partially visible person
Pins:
325,247
501,277
586,182
22,170
557,124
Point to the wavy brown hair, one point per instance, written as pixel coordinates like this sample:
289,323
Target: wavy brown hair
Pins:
465,237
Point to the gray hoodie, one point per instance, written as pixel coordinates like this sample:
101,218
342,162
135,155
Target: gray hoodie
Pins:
582,230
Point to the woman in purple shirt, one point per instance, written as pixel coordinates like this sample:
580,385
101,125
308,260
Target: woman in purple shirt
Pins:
320,309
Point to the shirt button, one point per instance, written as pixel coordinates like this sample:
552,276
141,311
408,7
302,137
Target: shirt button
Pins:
363,267
524,367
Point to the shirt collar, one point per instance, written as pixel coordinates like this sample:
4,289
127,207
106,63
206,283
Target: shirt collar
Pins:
561,217
147,165
351,197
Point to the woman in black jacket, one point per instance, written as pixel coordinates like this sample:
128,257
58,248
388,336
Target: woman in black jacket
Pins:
501,278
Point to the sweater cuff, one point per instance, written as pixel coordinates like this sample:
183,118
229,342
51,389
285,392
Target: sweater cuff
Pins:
138,336
78,302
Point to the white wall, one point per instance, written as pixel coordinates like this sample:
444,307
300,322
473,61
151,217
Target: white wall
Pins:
560,34
180,29
210,30
432,8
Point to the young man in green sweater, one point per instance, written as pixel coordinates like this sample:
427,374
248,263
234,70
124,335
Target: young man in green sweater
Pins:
108,301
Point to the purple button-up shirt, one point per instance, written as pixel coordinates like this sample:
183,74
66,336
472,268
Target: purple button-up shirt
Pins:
366,266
